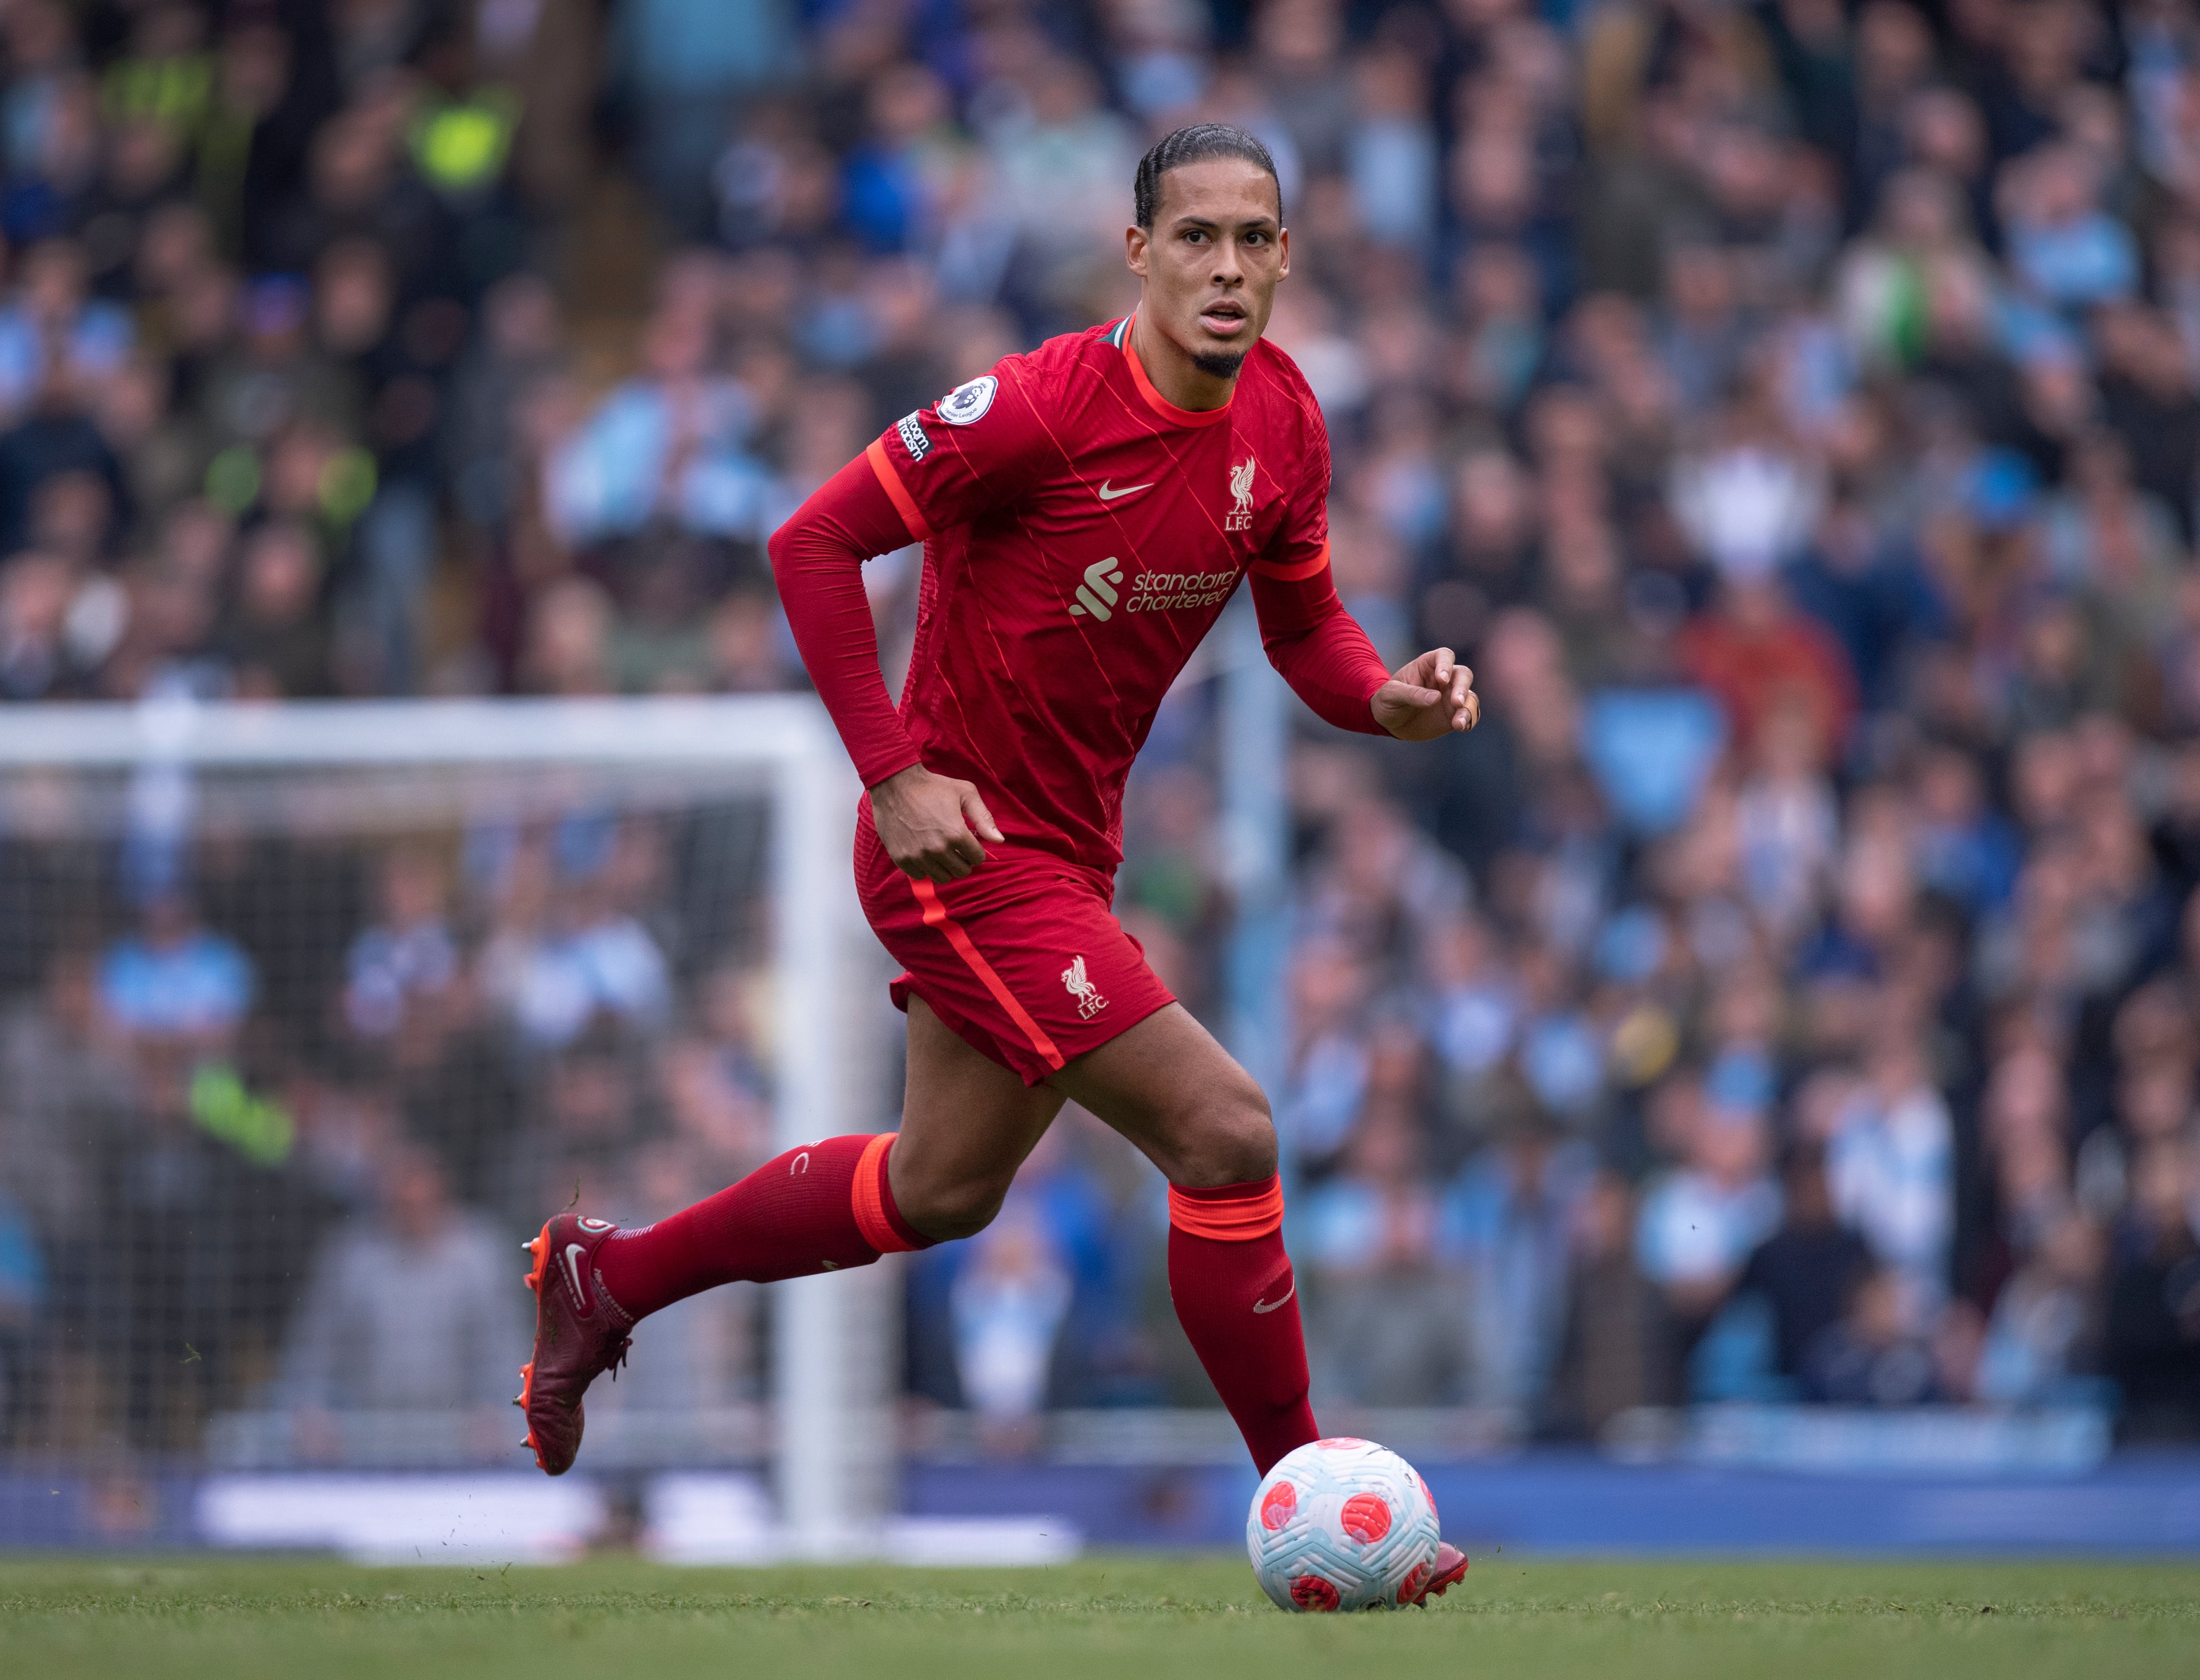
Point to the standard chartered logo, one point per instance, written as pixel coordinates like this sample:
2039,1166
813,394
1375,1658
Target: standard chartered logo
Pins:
1096,593
1101,594
1174,591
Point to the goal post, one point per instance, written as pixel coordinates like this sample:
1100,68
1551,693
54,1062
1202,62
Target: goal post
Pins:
386,763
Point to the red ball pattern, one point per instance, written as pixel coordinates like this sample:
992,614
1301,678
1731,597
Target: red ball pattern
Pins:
1366,1517
1409,1590
1340,1441
1311,1592
1431,1498
1276,1509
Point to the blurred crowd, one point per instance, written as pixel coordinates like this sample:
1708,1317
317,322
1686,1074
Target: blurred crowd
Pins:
1792,411
273,1115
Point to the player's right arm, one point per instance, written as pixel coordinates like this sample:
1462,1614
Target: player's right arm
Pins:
932,826
924,474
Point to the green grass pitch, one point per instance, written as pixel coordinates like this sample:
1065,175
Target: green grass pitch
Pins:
1145,1617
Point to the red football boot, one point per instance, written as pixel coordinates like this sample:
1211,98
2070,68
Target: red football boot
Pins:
1449,1570
580,1333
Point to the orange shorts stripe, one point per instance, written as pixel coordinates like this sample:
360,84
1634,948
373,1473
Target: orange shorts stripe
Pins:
1280,572
1241,1219
897,492
936,915
867,1197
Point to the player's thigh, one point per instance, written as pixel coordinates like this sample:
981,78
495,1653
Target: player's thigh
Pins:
967,1124
1166,1085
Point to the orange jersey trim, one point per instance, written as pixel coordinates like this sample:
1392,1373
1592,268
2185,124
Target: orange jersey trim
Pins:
936,915
1161,405
897,492
1240,1218
1293,572
867,1198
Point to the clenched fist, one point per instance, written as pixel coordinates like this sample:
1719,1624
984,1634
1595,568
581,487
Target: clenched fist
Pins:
932,826
1431,697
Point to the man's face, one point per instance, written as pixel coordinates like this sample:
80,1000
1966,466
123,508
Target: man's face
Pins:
1211,260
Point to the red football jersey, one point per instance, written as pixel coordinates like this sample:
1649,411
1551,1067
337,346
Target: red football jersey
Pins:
1081,533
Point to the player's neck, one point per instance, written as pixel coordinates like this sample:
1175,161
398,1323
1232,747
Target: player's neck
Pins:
1173,374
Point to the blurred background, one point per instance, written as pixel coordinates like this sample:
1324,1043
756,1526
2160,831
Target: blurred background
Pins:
1769,1040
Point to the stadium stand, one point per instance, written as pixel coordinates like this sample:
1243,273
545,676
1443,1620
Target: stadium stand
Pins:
1791,993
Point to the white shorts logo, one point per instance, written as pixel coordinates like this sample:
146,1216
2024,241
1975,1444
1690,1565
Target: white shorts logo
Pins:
969,403
1090,1002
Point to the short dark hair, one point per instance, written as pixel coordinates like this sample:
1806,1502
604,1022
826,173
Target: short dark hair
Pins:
1196,144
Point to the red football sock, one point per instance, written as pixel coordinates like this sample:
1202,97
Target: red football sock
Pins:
1237,1299
821,1208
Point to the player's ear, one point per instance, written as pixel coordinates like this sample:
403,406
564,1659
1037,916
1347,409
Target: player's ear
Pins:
1136,239
1283,253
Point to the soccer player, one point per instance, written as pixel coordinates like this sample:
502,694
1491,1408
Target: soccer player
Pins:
1086,511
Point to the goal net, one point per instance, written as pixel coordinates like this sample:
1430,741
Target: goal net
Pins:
310,1014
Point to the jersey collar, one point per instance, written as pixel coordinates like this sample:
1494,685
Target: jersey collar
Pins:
1161,405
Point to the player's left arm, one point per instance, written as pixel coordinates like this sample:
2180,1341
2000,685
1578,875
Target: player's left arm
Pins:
1326,658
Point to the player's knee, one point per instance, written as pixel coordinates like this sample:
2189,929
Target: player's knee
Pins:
1227,1138
1247,1141
947,1213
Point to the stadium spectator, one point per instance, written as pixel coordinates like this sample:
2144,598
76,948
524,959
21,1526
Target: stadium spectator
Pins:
2043,1338
1512,1219
410,1310
1390,1331
2153,1334
1889,1164
1009,1300
571,952
22,1299
1809,1269
1701,1222
406,963
175,979
1618,1354
1868,1356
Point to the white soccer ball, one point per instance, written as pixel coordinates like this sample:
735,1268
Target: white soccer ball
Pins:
1342,1524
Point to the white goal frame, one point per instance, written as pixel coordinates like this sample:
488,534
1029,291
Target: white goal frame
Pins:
831,1462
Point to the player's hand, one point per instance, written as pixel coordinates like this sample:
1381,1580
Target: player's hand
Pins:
1429,698
931,825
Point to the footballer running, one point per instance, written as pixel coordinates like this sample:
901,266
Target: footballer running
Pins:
1086,512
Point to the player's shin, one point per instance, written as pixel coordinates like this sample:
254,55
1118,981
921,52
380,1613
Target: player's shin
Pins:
1237,1301
821,1208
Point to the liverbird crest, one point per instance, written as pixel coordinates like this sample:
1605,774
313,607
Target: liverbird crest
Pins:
1241,485
1080,986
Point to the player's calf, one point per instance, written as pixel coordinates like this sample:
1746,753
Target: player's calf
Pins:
1169,1088
823,1207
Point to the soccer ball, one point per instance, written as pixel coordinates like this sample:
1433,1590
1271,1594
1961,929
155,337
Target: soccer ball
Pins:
1342,1525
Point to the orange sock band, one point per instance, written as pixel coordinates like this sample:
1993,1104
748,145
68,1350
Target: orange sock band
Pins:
871,1199
1233,1213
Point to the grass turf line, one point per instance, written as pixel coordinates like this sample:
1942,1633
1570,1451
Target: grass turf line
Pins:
1141,1616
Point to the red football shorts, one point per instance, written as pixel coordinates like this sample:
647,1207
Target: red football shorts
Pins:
1022,957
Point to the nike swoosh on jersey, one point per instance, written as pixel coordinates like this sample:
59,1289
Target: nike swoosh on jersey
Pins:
1107,494
1271,1306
